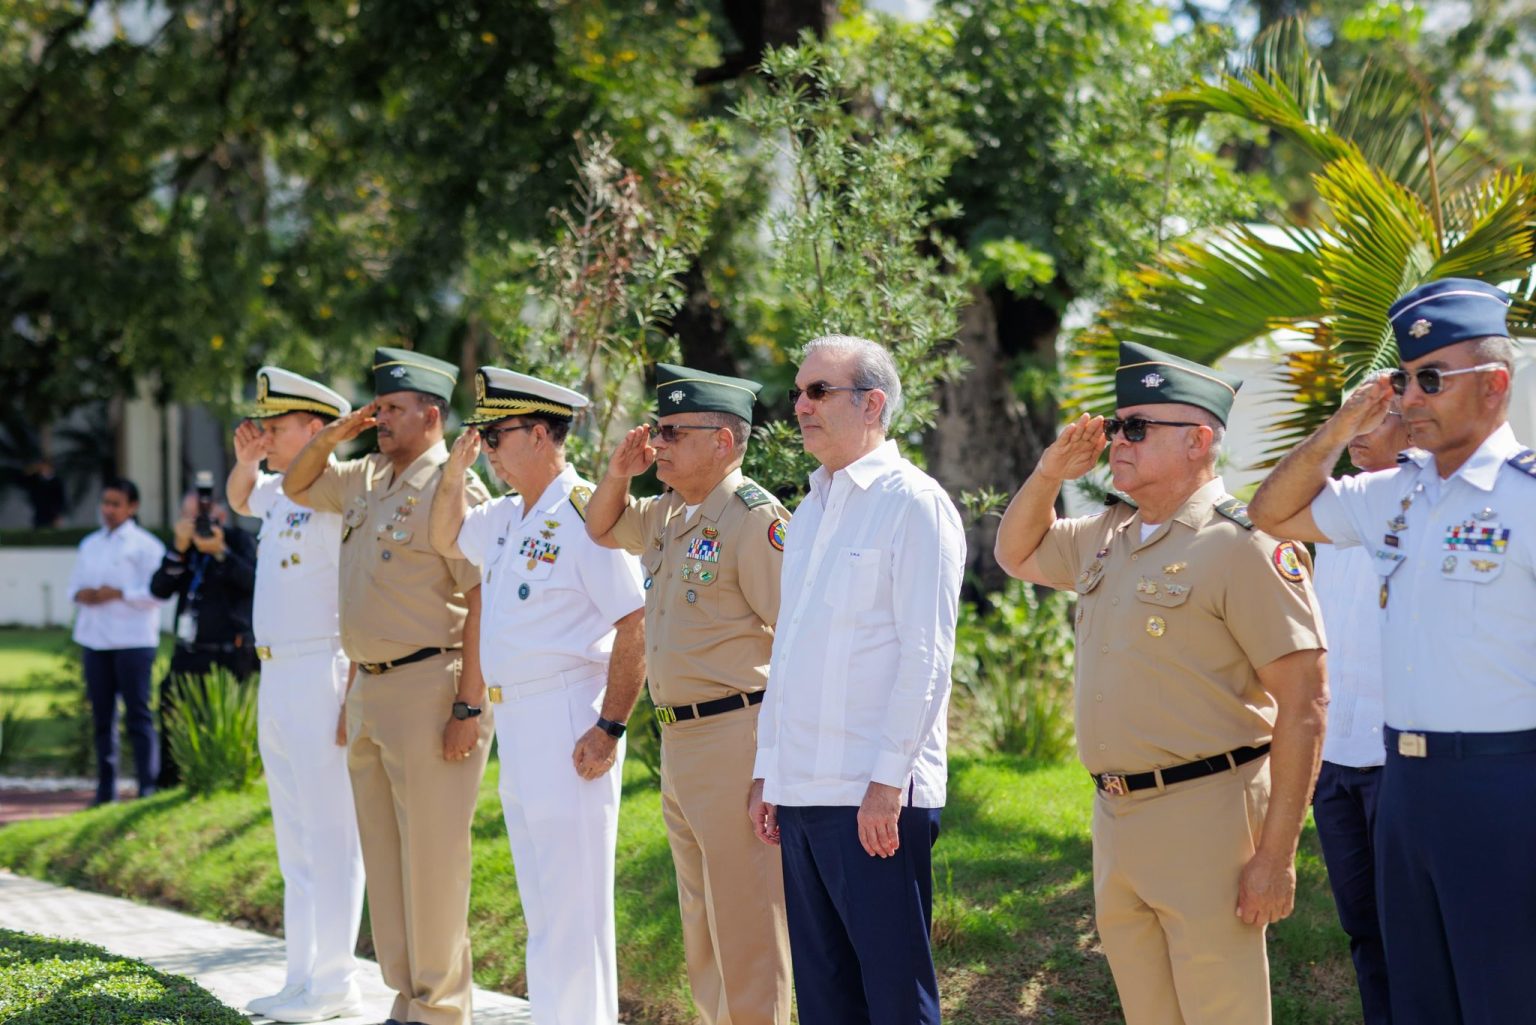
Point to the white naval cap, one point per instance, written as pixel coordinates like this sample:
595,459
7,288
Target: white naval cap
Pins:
502,393
280,391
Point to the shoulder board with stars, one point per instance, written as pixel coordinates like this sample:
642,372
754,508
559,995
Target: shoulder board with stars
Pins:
1236,511
753,496
580,496
1525,462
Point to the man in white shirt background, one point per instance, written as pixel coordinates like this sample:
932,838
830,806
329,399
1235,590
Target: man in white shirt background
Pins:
851,764
118,626
304,681
1344,800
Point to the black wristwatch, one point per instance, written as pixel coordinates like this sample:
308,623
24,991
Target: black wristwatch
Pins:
613,729
464,710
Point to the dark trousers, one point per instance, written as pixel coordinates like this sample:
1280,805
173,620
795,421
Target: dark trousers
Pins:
1456,885
109,675
188,668
1344,807
858,925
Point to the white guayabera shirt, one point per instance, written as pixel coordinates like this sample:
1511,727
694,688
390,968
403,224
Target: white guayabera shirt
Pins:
124,558
858,688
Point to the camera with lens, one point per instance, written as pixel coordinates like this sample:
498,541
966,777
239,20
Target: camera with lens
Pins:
202,526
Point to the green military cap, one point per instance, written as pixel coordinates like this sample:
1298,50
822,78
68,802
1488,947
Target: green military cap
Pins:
404,370
680,390
1146,376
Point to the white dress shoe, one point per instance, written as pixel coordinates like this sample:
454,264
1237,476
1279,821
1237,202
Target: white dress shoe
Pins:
263,1004
308,1006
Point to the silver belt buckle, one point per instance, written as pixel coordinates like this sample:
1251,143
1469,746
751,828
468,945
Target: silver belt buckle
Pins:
1412,745
1113,784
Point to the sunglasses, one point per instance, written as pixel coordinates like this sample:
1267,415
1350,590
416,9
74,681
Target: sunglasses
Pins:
1135,427
492,435
669,432
820,390
1432,379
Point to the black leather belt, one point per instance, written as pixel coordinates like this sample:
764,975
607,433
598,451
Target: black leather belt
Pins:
375,668
212,647
1424,744
1118,784
705,709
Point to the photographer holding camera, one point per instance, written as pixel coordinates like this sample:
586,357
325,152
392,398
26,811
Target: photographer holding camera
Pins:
210,569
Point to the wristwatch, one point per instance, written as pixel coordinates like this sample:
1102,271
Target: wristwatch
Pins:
613,729
464,710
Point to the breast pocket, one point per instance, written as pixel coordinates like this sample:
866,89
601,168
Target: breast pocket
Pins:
534,559
854,578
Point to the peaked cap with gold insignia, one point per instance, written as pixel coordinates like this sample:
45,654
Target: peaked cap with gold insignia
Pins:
403,370
1146,376
680,390
502,393
280,391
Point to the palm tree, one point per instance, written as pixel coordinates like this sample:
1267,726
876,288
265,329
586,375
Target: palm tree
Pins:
1400,196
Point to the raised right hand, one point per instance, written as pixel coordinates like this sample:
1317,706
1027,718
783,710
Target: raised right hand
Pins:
251,443
1076,449
350,426
464,453
1366,407
634,455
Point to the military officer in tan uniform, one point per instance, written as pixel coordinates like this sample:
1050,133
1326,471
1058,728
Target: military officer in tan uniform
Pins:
417,741
1200,693
711,549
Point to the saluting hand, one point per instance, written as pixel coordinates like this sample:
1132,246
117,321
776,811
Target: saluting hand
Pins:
1076,449
1366,407
252,444
464,453
350,426
634,455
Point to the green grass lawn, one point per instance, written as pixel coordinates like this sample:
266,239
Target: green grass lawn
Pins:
1013,922
59,982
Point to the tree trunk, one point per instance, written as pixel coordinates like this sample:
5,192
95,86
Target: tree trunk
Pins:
985,435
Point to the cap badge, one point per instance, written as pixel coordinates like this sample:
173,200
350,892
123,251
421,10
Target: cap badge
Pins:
677,395
397,372
480,389
1153,380
1420,328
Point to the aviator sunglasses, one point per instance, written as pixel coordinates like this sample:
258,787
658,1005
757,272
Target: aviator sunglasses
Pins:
492,435
820,390
1432,379
1135,427
669,432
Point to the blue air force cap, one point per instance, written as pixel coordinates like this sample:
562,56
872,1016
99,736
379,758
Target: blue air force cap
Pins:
1445,312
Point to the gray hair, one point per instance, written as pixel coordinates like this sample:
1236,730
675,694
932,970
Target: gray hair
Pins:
739,428
1494,349
873,368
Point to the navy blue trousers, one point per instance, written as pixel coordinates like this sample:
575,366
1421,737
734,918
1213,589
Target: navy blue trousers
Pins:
110,675
1456,878
858,925
1344,807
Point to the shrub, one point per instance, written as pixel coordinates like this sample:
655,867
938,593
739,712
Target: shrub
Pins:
212,733
1015,662
16,736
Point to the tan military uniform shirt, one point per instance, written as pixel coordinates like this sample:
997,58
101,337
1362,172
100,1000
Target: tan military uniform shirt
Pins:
711,586
1170,630
397,594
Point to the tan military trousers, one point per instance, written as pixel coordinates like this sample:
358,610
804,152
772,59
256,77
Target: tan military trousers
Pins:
1165,874
730,885
413,815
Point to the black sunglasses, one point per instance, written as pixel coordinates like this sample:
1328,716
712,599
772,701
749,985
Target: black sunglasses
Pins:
492,435
1432,379
820,390
669,432
1135,427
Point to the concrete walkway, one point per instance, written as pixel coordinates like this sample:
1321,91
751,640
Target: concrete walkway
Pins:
235,965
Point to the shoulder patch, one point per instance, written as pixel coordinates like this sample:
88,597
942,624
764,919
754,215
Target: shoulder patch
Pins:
776,531
1525,462
1237,512
580,496
1114,498
753,496
1288,562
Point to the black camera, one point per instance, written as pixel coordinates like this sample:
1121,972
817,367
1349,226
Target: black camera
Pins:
202,526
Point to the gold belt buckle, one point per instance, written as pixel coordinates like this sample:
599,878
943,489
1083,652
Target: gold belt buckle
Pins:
371,668
1113,784
263,653
665,715
494,693
1412,745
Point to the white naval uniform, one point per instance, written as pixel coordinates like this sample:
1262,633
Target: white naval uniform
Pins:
303,685
549,599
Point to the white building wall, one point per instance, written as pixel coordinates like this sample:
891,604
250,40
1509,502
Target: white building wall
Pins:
34,588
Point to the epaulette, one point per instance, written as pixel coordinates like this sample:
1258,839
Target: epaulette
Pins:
1236,511
1524,461
1114,498
580,496
753,496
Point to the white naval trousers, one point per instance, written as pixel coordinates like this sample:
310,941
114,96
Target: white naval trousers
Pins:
563,831
312,815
